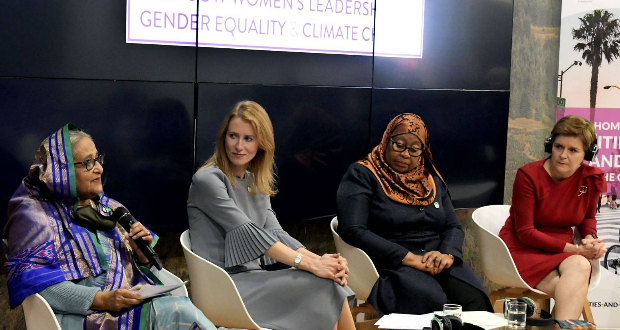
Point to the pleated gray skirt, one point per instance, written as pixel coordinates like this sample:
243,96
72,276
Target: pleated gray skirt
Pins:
292,299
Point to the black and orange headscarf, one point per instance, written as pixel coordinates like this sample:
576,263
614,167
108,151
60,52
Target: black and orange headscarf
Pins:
416,187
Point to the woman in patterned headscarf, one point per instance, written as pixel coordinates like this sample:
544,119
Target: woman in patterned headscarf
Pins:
396,207
61,241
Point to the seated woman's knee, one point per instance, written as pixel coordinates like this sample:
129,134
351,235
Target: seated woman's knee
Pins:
432,296
578,263
435,301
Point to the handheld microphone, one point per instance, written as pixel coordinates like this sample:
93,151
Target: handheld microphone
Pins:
125,219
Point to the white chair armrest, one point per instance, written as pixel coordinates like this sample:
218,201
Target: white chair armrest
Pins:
39,314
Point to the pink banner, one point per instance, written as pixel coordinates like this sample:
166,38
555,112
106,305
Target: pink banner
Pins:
589,86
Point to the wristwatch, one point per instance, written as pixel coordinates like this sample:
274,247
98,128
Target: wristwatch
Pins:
297,261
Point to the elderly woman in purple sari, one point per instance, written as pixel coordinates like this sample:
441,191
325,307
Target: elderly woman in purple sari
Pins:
61,241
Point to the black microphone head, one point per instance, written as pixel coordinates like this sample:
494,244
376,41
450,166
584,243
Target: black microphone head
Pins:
123,217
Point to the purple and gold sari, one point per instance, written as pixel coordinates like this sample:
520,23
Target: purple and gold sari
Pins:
44,245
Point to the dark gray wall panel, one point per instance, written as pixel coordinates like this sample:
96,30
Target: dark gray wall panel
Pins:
82,39
281,68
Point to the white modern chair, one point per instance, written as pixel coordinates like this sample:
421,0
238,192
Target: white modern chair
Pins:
39,314
362,272
214,292
498,266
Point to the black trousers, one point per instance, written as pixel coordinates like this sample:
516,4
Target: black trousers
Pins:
461,293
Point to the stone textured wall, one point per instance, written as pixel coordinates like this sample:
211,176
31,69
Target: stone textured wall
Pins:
533,83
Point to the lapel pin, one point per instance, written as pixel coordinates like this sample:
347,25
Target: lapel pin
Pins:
582,190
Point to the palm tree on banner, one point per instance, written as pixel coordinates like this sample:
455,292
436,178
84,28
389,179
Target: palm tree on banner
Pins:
600,36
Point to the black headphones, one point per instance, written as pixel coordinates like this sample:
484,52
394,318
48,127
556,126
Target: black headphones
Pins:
545,317
590,153
451,322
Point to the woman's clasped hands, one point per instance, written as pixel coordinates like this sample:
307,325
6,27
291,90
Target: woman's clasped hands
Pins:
432,262
591,248
331,266
436,261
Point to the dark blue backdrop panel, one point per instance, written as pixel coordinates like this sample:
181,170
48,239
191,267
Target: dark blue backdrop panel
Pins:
82,39
281,68
145,130
467,137
319,131
467,45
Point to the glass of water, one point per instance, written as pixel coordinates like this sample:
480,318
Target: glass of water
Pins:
453,309
516,315
506,302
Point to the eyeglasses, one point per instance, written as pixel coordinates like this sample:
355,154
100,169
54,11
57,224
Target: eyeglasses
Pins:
399,147
90,163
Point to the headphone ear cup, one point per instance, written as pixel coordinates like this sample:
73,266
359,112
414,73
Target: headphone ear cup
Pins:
548,144
447,325
455,322
437,323
592,151
531,306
